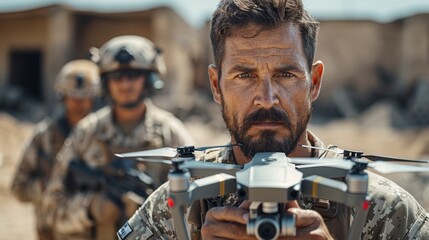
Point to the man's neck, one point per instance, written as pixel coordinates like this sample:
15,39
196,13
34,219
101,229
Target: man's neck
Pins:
127,116
298,151
73,119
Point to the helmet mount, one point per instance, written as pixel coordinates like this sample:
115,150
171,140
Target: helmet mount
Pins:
79,79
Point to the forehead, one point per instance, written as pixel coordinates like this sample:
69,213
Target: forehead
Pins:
254,41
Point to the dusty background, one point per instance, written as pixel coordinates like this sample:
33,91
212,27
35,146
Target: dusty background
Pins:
369,133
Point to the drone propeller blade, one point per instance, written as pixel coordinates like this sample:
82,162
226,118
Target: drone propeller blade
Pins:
386,167
325,162
391,159
369,156
219,146
166,152
335,150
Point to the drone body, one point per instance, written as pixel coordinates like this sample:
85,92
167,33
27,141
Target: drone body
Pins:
269,181
262,181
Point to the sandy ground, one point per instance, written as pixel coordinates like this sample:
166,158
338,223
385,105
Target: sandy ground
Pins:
370,135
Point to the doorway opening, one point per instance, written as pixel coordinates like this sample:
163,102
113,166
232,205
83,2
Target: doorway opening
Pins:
25,72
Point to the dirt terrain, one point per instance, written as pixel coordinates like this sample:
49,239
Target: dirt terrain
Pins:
370,134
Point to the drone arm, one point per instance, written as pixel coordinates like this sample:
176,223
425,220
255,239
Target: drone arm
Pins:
207,187
320,187
325,188
323,170
205,169
213,186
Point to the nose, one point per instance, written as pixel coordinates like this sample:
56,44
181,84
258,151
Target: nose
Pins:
266,95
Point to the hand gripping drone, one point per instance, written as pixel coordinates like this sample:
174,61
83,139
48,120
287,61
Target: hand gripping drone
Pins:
270,180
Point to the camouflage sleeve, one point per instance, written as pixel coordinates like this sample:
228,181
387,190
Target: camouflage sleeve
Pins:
394,213
152,221
27,184
68,212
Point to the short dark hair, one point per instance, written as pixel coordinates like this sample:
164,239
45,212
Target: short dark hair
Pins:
231,15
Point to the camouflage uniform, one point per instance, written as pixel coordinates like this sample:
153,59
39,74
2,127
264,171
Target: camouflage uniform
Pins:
95,140
393,214
77,79
35,168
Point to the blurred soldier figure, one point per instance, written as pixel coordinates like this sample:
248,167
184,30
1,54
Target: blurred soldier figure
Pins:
130,67
77,83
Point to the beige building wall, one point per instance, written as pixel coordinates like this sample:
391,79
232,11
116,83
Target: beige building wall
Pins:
414,61
62,34
59,46
350,50
180,45
362,59
20,32
366,60
93,30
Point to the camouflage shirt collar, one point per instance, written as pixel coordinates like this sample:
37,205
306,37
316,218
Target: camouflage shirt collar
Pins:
110,130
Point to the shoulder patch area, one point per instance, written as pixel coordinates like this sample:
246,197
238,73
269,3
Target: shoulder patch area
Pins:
135,228
124,231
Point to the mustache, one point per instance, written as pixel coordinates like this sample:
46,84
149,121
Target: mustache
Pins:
270,115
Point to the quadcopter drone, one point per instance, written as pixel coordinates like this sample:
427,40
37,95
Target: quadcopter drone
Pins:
270,180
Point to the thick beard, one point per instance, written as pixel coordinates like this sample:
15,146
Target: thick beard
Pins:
267,140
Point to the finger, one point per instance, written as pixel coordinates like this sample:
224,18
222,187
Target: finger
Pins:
245,204
224,230
228,214
292,204
304,218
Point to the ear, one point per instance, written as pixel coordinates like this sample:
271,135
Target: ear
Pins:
316,79
214,83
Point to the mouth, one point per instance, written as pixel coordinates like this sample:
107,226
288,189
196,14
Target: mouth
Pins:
267,124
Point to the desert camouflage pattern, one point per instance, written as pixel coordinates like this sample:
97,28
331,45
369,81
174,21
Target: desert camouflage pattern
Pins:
95,140
34,171
393,213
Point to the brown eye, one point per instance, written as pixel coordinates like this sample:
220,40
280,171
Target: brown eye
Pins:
244,75
286,75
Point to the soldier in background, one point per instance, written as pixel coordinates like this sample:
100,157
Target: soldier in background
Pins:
130,67
78,84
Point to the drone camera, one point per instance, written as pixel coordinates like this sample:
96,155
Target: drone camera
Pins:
267,227
271,226
267,222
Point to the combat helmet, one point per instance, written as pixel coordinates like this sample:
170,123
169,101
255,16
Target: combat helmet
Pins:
131,52
78,78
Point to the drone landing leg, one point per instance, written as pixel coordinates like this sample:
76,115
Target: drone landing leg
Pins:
179,225
357,226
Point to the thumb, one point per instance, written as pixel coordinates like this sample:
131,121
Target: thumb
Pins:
292,204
